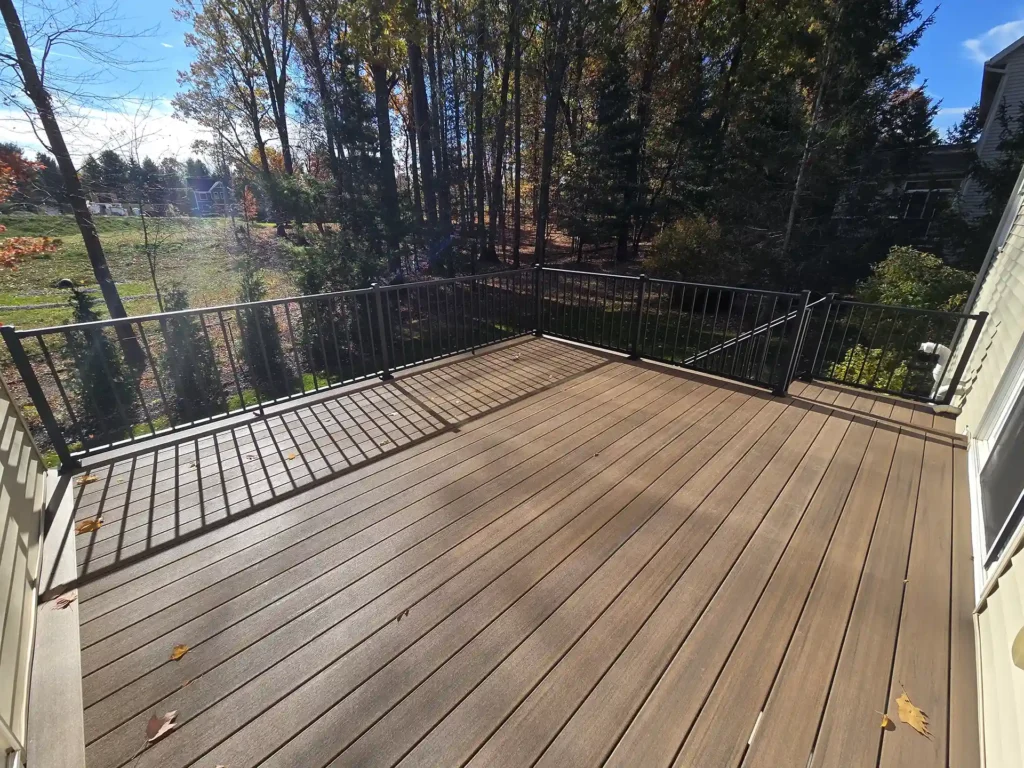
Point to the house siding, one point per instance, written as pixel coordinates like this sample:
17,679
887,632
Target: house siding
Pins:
1002,296
1001,698
22,502
1011,90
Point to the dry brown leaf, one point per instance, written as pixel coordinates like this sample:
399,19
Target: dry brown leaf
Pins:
86,479
65,600
158,727
402,615
178,652
292,456
89,525
912,715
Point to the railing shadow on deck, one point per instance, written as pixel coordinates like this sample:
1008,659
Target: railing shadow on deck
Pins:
158,497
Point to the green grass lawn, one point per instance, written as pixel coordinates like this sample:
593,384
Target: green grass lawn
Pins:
199,254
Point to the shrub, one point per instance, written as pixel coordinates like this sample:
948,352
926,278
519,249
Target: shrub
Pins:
693,249
262,351
864,366
911,278
189,363
101,378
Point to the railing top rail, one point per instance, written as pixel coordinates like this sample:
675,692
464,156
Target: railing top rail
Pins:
911,310
758,291
114,321
589,274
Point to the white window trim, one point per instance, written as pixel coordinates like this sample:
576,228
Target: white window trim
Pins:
991,425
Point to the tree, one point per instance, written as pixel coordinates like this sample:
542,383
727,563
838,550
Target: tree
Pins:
967,129
31,83
189,363
911,278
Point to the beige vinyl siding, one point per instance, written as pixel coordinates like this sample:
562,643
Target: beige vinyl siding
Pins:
22,503
1002,684
1002,296
1011,90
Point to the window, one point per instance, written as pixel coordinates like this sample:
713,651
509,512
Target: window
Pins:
922,200
1002,483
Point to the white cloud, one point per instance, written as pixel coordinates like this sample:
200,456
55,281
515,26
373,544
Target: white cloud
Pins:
957,111
166,45
132,126
983,48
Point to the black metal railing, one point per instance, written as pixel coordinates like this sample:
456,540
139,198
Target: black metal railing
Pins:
919,354
196,366
739,333
200,365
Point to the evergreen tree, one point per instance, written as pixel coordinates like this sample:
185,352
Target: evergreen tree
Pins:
262,350
189,363
101,378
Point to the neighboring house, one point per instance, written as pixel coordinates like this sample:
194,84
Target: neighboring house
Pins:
207,196
933,186
992,416
1002,81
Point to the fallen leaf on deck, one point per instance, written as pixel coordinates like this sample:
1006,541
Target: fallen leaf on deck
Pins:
86,479
192,465
65,600
886,722
292,456
159,727
911,715
402,615
178,652
89,525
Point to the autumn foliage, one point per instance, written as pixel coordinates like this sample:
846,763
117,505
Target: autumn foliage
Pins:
15,172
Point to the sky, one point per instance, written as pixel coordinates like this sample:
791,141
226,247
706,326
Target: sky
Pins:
950,59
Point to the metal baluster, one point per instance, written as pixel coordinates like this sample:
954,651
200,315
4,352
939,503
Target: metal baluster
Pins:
60,385
231,360
386,368
295,351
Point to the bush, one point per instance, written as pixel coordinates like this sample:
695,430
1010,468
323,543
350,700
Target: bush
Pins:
189,363
866,367
693,249
101,378
911,278
261,343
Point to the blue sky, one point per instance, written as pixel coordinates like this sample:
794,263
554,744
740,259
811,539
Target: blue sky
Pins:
950,57
951,54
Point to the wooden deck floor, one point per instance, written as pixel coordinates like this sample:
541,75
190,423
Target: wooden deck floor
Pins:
541,555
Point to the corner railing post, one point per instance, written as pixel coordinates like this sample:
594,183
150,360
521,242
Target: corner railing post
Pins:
638,316
538,329
382,332
782,388
961,364
38,397
809,374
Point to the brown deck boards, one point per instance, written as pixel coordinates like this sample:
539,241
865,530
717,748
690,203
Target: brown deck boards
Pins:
536,555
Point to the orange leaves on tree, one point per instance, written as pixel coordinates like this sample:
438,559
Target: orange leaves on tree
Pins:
249,206
15,171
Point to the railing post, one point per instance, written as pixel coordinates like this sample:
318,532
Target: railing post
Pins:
961,364
538,330
782,388
382,329
638,316
38,397
809,375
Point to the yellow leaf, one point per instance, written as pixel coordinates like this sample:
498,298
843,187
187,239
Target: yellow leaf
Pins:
292,456
89,525
886,722
178,652
86,479
911,715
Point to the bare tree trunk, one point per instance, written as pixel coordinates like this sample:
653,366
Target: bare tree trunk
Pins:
388,186
478,147
497,190
417,199
658,13
444,202
553,93
518,122
457,117
40,97
421,114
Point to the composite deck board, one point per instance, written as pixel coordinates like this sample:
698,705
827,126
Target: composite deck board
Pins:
540,554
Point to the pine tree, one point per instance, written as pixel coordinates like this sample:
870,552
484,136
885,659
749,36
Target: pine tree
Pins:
189,363
262,350
101,379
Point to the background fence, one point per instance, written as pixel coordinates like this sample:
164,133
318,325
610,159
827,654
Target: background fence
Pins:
101,384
